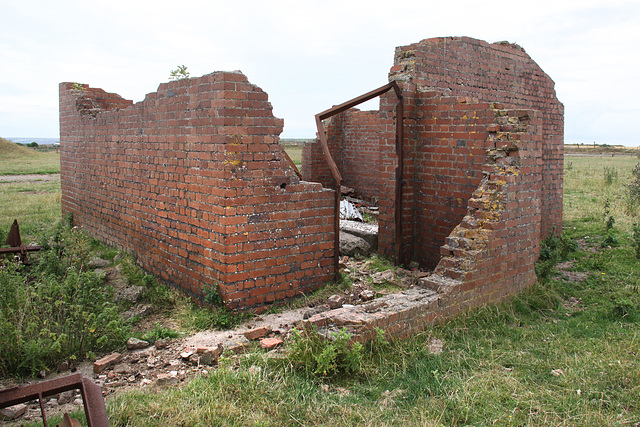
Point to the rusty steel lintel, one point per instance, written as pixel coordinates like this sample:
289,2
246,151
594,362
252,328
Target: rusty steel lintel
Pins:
338,177
92,399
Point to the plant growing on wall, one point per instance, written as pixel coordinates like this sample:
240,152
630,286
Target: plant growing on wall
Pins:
179,73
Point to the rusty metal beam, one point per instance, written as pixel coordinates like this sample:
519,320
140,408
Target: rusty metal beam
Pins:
293,165
337,109
399,175
338,177
92,399
20,249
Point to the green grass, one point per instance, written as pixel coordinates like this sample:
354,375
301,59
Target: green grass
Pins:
586,190
295,152
18,160
497,365
36,206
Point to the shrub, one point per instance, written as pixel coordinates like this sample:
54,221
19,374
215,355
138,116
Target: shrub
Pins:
326,357
57,310
610,174
633,190
212,295
636,239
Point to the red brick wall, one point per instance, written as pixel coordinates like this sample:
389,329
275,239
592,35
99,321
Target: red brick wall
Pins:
193,180
497,72
448,85
314,165
353,138
354,142
449,152
492,252
489,256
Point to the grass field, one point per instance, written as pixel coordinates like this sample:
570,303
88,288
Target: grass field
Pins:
294,150
564,353
36,206
18,160
589,182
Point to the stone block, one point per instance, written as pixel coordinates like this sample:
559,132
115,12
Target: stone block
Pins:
134,343
168,379
12,412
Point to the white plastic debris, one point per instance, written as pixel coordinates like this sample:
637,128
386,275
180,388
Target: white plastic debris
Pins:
349,211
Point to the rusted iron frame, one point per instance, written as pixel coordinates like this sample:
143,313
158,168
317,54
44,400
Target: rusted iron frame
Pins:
338,177
22,250
92,399
14,240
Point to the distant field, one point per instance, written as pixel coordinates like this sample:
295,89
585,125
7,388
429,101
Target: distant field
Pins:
586,189
293,147
18,160
295,152
36,206
604,149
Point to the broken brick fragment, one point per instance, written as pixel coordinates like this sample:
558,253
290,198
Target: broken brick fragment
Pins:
105,362
256,333
269,343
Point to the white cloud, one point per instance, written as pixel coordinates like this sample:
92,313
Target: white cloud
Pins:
307,56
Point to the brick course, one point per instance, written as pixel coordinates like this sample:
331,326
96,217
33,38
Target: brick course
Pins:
193,180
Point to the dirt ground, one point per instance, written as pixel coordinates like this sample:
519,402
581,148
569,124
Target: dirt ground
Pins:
6,179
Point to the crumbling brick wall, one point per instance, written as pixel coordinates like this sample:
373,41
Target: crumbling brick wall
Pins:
497,72
193,181
448,85
492,252
489,256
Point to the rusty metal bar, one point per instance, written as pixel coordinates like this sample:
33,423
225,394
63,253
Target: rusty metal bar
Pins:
92,399
20,249
293,165
336,203
338,177
337,109
398,240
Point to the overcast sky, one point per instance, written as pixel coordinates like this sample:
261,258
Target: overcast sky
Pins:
309,56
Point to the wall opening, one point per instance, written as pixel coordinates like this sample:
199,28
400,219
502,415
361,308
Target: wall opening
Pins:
390,217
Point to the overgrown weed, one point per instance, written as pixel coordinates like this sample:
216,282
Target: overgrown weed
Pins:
56,310
325,356
553,249
194,316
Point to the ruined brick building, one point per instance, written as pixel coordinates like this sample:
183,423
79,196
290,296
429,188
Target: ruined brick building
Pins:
467,174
